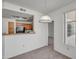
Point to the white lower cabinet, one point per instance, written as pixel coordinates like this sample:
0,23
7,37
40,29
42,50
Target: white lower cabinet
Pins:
14,46
18,44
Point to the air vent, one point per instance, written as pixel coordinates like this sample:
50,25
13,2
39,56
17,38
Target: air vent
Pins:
21,9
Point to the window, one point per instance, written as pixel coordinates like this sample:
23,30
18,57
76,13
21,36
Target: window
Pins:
70,27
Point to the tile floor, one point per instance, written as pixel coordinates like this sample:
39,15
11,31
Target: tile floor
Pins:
42,53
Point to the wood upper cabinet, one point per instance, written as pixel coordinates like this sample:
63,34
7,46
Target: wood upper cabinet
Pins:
10,27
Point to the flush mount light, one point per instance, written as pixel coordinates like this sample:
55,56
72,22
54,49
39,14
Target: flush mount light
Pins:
45,18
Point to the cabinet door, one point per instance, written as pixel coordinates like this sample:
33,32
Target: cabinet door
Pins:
13,47
10,27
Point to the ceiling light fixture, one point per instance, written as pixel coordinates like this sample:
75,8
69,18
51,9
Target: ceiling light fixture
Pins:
45,18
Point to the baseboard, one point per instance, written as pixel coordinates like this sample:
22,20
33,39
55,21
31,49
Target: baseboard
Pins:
50,37
29,51
58,51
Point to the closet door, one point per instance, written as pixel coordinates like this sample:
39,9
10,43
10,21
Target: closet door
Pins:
10,27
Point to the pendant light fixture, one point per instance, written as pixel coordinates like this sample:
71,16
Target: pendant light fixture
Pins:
45,18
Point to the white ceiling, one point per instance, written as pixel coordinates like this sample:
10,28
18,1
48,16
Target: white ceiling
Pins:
39,5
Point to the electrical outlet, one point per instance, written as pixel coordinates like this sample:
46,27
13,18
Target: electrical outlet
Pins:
67,48
23,45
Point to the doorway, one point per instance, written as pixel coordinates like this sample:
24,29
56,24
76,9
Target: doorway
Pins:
51,34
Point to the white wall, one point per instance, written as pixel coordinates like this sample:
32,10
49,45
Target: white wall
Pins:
5,25
21,43
58,17
51,29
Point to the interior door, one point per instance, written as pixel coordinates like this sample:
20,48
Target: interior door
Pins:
10,27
